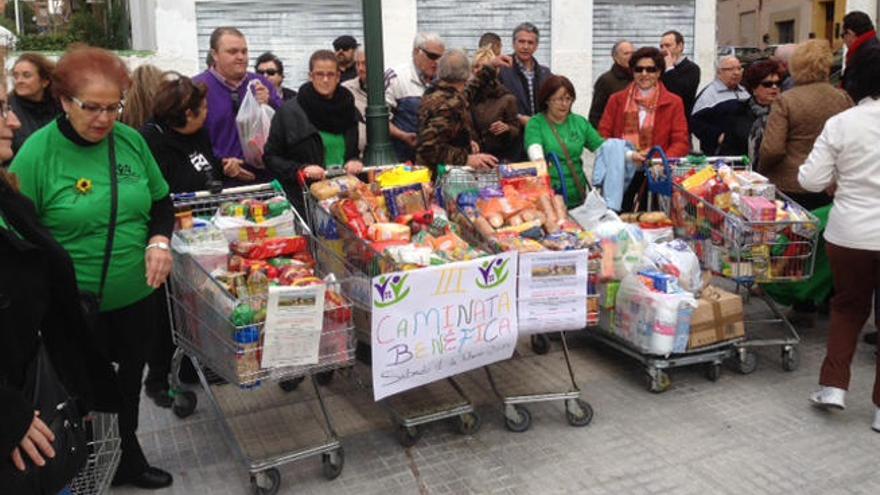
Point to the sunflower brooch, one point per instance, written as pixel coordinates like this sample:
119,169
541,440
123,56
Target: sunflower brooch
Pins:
83,186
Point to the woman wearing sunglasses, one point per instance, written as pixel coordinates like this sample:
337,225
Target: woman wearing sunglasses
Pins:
646,114
75,170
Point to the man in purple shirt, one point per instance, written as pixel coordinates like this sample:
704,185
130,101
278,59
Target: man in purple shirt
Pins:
227,81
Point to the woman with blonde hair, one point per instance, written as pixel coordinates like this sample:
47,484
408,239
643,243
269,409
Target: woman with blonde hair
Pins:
139,99
494,112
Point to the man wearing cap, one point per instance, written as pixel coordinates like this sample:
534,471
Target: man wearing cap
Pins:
345,46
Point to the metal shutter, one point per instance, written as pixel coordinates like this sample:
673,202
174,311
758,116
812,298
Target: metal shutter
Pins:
461,22
641,22
292,29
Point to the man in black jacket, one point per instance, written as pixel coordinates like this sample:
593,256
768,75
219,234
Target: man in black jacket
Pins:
616,79
859,35
682,76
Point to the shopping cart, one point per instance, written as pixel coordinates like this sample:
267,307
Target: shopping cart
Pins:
506,378
355,263
104,448
749,253
266,425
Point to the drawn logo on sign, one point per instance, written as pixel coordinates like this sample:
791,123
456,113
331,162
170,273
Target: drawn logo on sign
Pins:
390,290
492,273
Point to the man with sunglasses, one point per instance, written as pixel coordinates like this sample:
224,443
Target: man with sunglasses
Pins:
270,66
345,47
405,87
227,81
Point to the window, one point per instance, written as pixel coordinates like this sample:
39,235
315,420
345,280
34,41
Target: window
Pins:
785,32
747,22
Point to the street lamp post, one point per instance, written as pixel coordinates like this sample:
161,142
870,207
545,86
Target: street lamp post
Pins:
379,150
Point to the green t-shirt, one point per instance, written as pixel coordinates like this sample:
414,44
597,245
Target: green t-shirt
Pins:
334,150
49,166
577,134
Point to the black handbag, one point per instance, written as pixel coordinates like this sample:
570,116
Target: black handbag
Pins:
60,413
90,301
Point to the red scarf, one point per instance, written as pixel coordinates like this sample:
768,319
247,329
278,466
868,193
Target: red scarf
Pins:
642,137
861,40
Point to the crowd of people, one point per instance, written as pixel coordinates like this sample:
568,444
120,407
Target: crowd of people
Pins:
95,151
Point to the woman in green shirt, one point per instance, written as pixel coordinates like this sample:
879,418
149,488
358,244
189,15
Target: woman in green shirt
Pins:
559,131
65,169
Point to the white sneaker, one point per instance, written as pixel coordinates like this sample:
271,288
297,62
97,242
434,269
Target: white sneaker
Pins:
829,398
876,425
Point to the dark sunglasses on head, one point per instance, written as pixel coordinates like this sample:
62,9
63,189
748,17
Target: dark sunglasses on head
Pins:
650,70
267,72
770,84
431,56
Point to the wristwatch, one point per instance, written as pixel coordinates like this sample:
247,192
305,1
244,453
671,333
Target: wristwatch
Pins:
158,245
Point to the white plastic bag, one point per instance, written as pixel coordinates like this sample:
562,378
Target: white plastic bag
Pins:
677,259
588,214
622,247
253,121
280,226
654,322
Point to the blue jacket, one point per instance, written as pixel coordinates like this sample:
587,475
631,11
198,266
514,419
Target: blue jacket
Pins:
613,172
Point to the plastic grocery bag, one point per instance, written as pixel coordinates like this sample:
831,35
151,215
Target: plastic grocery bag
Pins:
588,214
677,259
236,228
253,121
655,323
622,247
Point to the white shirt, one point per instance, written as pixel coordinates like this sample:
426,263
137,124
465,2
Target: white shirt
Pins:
847,152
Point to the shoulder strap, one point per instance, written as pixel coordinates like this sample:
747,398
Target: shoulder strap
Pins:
111,226
568,161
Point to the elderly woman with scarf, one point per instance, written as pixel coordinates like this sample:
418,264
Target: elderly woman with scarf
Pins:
646,114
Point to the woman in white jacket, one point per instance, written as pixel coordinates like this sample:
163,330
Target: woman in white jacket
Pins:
846,156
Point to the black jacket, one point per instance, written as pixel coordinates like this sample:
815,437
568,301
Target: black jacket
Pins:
684,80
733,118
38,292
514,80
853,66
616,79
187,161
295,143
32,115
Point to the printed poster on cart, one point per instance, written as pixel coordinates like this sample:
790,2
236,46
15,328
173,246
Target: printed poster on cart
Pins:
552,291
437,322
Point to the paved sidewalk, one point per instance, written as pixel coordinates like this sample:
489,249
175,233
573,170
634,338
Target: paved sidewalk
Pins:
742,434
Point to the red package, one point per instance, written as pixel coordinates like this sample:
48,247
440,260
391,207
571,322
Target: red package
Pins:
270,248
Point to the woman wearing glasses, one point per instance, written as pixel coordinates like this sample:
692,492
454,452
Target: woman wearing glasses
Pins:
646,114
71,169
556,129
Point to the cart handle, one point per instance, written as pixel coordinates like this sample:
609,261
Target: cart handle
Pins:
266,186
661,185
328,174
703,160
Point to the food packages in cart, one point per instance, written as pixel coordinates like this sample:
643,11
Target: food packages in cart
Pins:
742,227
395,216
252,219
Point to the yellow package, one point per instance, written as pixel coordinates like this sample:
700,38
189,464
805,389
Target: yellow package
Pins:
403,176
698,179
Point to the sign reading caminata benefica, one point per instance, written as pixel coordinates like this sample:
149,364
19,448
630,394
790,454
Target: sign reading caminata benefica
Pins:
438,322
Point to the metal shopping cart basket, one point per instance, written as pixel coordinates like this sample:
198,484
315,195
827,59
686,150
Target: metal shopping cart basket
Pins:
355,263
749,253
104,448
508,378
266,425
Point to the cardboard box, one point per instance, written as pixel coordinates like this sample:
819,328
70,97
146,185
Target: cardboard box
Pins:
718,318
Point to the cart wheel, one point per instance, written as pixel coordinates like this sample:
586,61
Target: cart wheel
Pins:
586,412
266,482
324,378
748,362
791,358
409,435
184,404
332,462
523,421
292,384
469,423
540,344
713,372
658,382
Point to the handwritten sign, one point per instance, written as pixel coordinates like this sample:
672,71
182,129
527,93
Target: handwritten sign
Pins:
438,322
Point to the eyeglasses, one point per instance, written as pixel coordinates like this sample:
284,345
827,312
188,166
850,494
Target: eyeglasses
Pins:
641,69
564,100
268,72
325,75
5,110
770,84
93,110
430,55
735,69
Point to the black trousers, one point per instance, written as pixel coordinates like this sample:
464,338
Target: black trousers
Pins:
127,335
